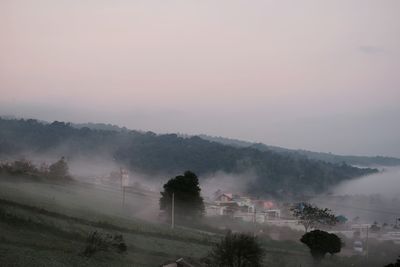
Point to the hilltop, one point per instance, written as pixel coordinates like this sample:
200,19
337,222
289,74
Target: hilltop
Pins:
322,156
166,155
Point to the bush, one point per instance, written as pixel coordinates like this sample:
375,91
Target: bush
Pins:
396,264
236,250
104,242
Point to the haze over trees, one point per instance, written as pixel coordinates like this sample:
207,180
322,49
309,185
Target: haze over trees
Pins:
169,154
187,196
57,171
311,216
301,153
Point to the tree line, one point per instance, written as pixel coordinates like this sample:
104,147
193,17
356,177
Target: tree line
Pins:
153,154
57,171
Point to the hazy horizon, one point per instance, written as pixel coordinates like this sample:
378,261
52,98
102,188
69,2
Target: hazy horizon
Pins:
320,76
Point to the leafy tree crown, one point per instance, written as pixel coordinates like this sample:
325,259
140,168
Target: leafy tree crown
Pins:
187,195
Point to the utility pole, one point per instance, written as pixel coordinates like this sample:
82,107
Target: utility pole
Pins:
124,183
173,211
255,220
367,247
123,196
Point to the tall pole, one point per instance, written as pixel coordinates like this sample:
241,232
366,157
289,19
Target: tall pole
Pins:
122,186
367,244
255,220
173,211
123,195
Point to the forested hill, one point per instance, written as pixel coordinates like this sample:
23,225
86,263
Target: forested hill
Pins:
170,154
327,157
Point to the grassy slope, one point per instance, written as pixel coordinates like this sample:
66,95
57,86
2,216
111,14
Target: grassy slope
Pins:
37,237
44,238
38,230
58,227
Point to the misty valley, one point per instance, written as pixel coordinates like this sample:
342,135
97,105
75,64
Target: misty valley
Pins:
176,133
101,195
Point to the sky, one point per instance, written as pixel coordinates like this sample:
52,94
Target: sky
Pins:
310,74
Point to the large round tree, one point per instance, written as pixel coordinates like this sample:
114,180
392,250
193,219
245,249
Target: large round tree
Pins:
187,197
321,242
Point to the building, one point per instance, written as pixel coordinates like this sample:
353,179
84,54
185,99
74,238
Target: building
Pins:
242,207
178,263
212,210
225,197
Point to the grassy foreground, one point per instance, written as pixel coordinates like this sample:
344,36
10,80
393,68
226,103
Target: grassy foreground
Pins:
48,225
31,236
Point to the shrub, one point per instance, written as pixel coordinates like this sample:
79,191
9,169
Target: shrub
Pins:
104,242
236,250
396,264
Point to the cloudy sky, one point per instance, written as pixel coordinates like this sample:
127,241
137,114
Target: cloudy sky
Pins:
312,74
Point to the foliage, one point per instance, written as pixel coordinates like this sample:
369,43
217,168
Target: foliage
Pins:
25,168
59,169
311,216
341,219
396,264
321,242
276,173
187,197
19,167
327,157
375,228
236,250
104,242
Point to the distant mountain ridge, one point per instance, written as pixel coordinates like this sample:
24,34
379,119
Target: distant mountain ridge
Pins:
323,156
167,155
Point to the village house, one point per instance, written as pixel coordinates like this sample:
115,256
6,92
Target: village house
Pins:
242,207
178,263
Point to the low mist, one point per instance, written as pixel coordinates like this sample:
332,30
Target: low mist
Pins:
385,183
367,199
226,182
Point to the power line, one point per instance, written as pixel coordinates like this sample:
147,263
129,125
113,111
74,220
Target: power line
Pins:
365,209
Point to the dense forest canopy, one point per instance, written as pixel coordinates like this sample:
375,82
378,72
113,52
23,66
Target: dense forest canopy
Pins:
323,156
170,154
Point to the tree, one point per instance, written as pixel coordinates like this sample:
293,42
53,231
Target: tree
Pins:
187,197
311,216
396,264
375,228
321,242
59,169
236,250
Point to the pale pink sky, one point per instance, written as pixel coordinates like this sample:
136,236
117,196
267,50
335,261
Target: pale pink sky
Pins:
321,75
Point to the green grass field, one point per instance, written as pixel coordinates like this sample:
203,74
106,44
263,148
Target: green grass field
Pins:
44,224
37,230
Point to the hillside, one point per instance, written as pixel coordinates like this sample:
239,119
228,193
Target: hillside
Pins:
47,224
327,157
169,154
